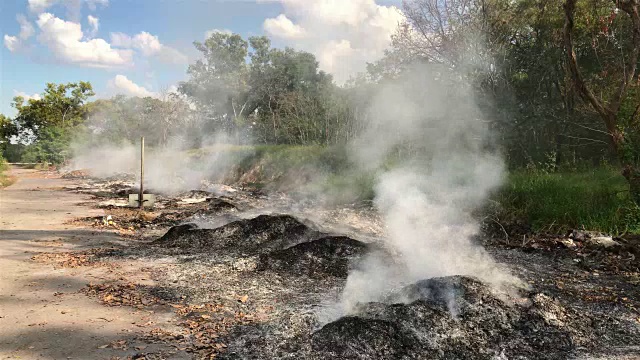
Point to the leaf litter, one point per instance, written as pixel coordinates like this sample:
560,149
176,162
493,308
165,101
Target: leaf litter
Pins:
248,291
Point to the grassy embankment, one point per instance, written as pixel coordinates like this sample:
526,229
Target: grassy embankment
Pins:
595,199
306,169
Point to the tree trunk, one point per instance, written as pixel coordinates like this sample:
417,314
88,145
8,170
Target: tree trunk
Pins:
608,111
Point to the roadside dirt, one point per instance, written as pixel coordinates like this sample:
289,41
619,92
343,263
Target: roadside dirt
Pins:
43,313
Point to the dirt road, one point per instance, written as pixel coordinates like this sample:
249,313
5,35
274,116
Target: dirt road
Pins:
42,313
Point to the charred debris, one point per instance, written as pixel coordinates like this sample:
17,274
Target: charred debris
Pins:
231,255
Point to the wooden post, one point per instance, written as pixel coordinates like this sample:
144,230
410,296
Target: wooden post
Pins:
141,194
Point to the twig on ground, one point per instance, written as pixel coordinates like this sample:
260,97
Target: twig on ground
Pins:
506,235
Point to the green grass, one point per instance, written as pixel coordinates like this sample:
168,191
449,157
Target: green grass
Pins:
5,180
594,200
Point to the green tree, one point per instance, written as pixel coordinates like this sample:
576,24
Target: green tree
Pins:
513,53
247,87
124,118
7,131
60,105
47,124
218,82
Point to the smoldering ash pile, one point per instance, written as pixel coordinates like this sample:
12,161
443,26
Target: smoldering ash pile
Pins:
431,149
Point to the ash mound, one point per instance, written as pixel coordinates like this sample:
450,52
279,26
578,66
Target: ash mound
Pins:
259,235
329,256
448,318
217,204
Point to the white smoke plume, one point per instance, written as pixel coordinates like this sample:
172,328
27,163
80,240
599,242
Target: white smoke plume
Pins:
106,160
169,169
437,165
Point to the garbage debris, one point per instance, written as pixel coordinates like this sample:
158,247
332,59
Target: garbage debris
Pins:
127,294
75,259
76,174
603,242
107,220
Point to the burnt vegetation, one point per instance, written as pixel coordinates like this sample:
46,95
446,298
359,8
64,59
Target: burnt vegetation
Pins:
243,237
255,285
318,258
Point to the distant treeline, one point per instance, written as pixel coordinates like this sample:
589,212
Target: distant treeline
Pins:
513,53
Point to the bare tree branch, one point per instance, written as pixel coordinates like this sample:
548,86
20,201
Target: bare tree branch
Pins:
583,90
607,111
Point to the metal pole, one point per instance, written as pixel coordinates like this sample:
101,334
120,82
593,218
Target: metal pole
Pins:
141,195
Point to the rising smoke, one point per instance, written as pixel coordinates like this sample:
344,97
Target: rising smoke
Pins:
432,149
437,165
169,168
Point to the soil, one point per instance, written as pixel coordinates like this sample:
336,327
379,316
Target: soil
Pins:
236,274
43,313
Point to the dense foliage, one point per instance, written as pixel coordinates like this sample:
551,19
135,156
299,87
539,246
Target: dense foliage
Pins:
513,52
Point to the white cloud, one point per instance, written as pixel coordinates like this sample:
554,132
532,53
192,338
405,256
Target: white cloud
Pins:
39,6
122,85
94,23
283,27
208,33
15,43
169,55
26,28
93,4
64,39
11,42
148,45
344,35
121,40
74,7
26,96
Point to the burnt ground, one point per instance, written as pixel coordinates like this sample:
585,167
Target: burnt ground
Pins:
328,256
251,279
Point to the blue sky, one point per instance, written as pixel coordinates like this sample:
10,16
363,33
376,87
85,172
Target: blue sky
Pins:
140,47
